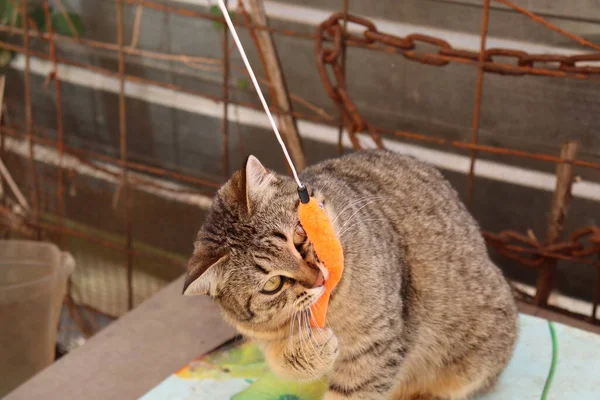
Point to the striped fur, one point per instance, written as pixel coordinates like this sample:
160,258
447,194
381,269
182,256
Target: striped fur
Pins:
421,311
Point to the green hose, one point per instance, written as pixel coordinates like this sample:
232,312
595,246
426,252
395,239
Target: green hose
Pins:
553,363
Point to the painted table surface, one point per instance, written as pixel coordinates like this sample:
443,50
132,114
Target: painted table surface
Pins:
239,372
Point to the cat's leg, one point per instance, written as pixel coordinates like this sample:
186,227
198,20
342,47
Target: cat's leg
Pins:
309,355
375,388
336,396
452,385
369,375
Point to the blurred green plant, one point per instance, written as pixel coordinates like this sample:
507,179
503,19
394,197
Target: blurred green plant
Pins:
242,83
64,23
215,11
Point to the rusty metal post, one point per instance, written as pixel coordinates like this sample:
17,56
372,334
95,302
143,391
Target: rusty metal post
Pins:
485,17
345,10
558,213
226,67
82,323
60,192
127,195
35,192
596,294
2,83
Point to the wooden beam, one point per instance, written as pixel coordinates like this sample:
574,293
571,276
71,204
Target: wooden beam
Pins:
278,89
558,213
2,82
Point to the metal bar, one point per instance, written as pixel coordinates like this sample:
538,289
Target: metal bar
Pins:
596,293
82,155
387,132
5,175
35,192
185,12
2,85
485,17
60,192
137,79
82,323
127,195
488,149
345,10
490,66
549,25
109,243
113,48
225,122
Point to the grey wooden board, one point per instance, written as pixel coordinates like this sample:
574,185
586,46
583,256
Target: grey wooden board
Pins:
134,353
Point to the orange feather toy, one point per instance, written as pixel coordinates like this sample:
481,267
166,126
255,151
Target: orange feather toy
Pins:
319,230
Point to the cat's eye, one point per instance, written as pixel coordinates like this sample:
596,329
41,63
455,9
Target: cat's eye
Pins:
273,285
299,235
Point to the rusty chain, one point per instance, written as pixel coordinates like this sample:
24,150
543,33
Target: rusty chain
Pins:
332,32
523,63
583,246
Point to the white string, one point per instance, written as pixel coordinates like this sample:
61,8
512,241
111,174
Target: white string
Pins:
236,39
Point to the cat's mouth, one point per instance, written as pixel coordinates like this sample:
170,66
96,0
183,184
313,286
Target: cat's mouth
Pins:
323,273
320,281
319,286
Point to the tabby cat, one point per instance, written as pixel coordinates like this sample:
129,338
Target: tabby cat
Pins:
420,312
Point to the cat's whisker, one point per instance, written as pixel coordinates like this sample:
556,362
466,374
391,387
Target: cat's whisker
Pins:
310,317
360,222
318,355
304,349
301,346
321,332
292,318
295,330
355,202
306,325
354,214
309,330
352,203
295,311
317,328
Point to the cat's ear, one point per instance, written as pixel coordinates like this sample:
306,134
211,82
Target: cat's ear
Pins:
235,190
249,185
258,181
202,277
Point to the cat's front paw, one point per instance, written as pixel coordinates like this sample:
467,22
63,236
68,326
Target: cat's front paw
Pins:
303,357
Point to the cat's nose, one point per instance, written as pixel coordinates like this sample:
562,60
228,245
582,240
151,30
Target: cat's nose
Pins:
320,281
